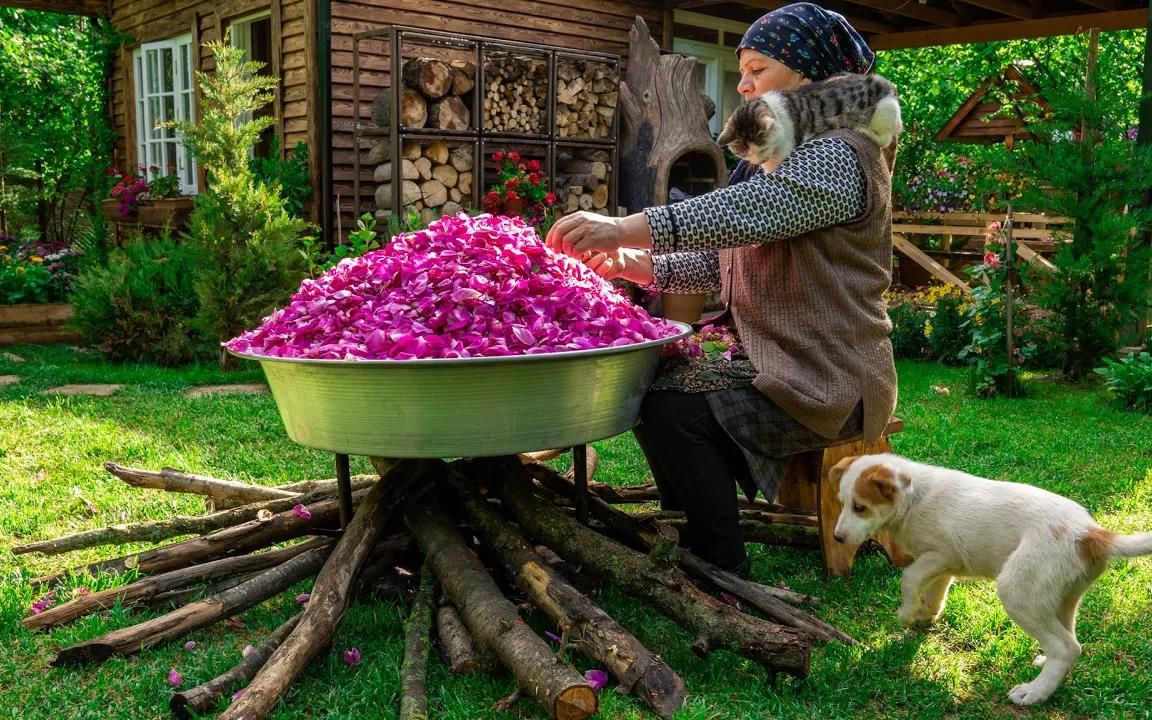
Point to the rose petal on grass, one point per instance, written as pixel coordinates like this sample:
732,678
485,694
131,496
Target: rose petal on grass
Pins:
302,512
174,678
351,656
598,679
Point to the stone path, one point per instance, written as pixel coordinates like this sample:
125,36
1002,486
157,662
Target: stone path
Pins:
96,390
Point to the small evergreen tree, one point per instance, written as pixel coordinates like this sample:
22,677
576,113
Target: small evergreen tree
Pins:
1084,166
247,239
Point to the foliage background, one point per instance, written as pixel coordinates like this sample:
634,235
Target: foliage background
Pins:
54,121
935,82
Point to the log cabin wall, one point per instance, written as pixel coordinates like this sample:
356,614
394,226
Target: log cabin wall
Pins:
593,25
292,51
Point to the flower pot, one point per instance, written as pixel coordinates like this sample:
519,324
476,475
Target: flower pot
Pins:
165,212
682,308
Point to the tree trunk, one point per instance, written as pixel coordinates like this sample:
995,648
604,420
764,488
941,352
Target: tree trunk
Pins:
330,595
493,620
197,615
637,670
200,698
715,624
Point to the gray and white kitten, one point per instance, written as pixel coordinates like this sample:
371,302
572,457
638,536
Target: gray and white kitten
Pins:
771,126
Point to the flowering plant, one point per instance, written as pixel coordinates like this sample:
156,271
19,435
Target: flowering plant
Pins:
36,272
132,189
522,191
990,366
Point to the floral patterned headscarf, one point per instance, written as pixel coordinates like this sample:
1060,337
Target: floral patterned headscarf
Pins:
815,42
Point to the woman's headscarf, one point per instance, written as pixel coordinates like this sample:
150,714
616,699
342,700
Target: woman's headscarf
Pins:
815,42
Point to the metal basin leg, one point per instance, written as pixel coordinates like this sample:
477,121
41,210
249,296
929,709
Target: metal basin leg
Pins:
580,479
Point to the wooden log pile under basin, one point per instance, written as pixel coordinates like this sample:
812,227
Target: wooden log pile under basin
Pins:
472,547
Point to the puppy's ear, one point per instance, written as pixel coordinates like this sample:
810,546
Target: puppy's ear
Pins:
837,471
882,482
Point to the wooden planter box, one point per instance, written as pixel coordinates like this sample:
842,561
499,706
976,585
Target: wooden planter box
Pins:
172,213
39,324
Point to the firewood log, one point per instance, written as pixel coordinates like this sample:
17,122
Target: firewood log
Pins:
410,192
408,170
449,114
383,196
230,541
714,624
423,167
199,614
446,174
145,588
382,173
413,109
464,182
411,150
492,619
330,595
594,633
417,640
459,651
176,481
434,192
200,698
431,77
461,158
463,77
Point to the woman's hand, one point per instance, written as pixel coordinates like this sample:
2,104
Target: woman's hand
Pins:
629,264
583,232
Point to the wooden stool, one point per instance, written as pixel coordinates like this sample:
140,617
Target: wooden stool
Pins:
807,489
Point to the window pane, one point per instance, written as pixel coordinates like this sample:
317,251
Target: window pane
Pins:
153,117
185,68
186,106
168,72
169,114
170,151
732,98
189,169
153,72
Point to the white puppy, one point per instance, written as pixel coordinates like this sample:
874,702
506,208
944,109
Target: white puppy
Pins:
1042,549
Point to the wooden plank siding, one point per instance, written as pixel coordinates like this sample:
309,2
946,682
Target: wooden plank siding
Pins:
591,25
293,41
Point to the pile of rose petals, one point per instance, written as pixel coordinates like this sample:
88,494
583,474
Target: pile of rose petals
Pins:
466,286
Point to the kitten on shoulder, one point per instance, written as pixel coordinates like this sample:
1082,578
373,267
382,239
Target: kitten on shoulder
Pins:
771,126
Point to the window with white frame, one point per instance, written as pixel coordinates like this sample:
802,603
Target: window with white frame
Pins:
164,92
711,41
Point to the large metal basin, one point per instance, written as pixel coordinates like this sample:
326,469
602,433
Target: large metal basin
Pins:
465,407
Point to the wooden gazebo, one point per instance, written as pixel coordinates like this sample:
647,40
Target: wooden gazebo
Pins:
982,119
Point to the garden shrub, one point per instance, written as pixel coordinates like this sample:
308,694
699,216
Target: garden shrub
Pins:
908,321
34,271
289,174
247,239
944,329
140,304
1129,381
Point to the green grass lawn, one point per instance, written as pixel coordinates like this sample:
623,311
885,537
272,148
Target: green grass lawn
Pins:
1062,437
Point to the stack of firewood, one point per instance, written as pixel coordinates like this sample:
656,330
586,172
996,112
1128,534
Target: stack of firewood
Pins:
436,94
435,177
582,177
515,94
259,541
586,96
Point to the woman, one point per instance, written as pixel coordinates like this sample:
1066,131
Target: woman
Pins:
802,255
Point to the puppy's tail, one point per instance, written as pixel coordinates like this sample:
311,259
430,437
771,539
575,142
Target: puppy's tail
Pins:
1131,545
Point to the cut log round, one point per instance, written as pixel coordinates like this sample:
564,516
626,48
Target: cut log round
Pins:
410,192
431,77
449,114
461,158
384,196
463,77
492,619
423,168
413,109
446,174
434,192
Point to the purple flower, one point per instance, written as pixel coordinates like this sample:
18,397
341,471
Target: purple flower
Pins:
303,598
302,512
352,656
190,645
596,678
44,603
730,599
174,678
552,637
